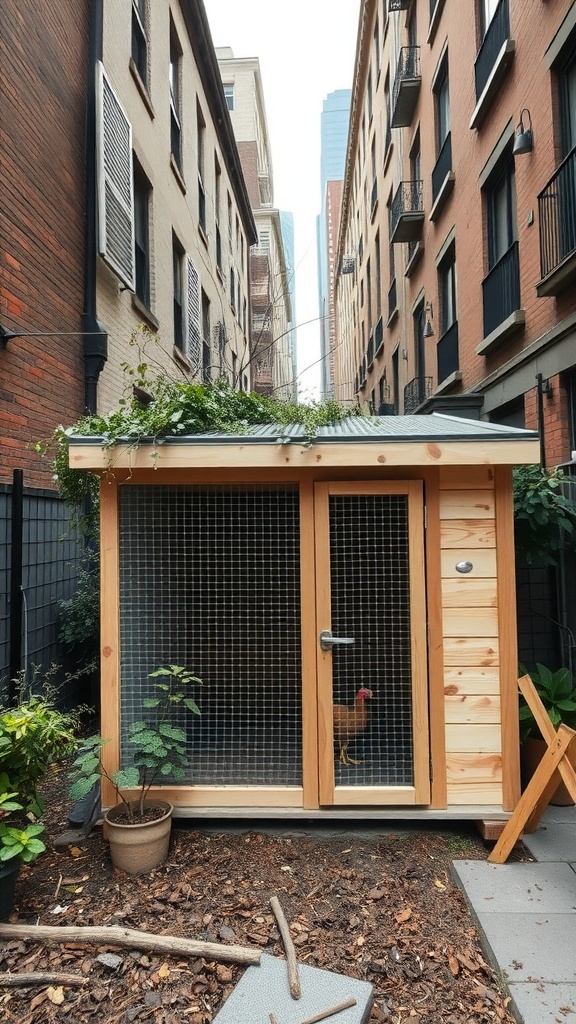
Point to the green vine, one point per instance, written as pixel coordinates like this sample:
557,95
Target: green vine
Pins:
158,408
543,517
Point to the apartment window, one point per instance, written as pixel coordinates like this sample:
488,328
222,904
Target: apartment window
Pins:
200,138
229,95
206,347
487,11
178,288
142,194
217,203
378,275
140,39
229,223
387,126
396,381
377,48
369,96
441,172
447,348
415,193
175,98
232,287
369,292
501,286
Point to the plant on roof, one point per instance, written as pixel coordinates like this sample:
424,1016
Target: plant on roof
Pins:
156,407
544,518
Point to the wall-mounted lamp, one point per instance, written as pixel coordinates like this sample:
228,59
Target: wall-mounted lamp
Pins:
524,141
428,313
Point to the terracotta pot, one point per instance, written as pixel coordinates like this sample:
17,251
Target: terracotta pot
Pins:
8,875
142,847
531,753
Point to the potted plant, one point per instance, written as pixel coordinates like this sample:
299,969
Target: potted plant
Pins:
557,691
138,827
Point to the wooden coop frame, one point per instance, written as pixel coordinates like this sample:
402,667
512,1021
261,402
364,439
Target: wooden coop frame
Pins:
452,479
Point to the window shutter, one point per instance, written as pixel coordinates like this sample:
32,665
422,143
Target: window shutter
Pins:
115,184
193,335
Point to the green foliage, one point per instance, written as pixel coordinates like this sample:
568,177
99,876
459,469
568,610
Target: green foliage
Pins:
80,615
158,746
557,691
20,842
32,735
173,409
543,517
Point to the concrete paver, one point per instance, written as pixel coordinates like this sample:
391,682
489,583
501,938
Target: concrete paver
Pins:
526,914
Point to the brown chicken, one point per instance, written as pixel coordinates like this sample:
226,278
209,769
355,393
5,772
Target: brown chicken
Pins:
350,722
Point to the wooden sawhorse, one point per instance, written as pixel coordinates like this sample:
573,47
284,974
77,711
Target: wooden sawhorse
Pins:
554,765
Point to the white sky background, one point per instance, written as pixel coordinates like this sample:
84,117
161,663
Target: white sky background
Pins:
306,49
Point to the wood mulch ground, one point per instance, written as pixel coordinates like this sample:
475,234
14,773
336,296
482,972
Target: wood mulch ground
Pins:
373,904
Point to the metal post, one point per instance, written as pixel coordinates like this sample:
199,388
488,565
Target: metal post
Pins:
540,408
17,510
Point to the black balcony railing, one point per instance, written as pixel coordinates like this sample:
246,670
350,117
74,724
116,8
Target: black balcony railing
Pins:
407,202
407,71
378,336
501,290
447,353
388,140
497,33
416,392
370,351
398,5
557,210
392,299
442,167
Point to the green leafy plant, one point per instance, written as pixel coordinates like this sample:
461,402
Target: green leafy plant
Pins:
80,616
18,839
543,516
158,747
557,691
32,735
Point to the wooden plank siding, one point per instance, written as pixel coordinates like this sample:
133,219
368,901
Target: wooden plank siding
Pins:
470,615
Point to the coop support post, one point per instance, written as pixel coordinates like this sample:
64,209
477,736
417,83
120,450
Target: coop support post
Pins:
110,632
507,632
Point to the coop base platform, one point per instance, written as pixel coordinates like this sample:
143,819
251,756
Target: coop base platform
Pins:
359,814
264,989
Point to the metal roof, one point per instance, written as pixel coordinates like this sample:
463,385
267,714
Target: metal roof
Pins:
353,429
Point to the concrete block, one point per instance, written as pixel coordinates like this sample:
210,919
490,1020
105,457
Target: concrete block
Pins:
264,989
543,1004
526,887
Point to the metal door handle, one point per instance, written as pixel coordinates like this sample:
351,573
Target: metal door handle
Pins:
327,641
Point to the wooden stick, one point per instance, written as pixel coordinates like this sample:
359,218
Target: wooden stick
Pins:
293,976
113,936
10,980
330,1013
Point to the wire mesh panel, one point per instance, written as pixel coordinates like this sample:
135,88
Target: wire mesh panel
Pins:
210,579
370,601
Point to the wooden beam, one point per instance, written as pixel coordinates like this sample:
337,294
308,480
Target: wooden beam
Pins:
110,634
438,796
507,632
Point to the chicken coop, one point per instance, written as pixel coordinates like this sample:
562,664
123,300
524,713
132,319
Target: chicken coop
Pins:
348,601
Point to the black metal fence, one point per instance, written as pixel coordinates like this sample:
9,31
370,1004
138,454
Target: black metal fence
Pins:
416,391
32,586
496,35
501,290
408,198
557,214
407,69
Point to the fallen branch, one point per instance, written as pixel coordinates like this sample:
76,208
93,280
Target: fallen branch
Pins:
330,1013
10,980
113,936
293,976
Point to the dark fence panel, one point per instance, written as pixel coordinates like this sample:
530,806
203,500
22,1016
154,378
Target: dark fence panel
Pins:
51,553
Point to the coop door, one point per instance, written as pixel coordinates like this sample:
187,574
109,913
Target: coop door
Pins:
371,635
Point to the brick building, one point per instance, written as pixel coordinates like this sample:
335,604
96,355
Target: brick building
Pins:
457,245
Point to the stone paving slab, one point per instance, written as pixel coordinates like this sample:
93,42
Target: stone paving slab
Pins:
552,843
524,887
543,1004
531,947
264,989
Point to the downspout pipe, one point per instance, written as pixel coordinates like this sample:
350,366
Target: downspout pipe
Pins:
95,345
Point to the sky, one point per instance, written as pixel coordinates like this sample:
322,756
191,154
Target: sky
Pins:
306,50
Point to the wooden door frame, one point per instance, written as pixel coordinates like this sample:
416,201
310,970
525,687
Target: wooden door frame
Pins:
329,793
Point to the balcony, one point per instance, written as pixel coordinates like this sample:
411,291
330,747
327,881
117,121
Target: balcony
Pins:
415,393
501,300
407,212
557,215
494,57
386,409
398,5
447,353
442,178
374,199
406,87
370,352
